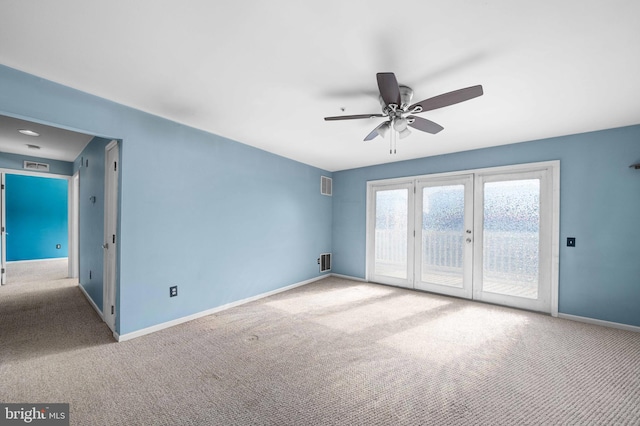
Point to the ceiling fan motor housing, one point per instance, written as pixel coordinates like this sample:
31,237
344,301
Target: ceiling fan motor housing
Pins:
406,94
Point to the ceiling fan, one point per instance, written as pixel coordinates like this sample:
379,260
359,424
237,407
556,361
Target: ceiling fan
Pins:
399,113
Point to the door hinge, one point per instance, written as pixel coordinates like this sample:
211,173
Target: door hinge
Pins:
2,271
112,309
2,186
113,239
115,166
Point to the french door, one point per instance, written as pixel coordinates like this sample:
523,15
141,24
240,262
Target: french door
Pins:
392,228
444,232
487,235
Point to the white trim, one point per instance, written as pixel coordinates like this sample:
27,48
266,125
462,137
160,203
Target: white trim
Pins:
521,167
86,295
349,277
110,247
407,184
37,260
73,212
3,231
602,323
177,321
555,235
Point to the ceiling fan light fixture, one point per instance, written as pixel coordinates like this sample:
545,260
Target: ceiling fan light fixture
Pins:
400,124
403,134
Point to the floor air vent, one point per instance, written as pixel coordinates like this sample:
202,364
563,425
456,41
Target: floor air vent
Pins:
32,165
325,262
325,185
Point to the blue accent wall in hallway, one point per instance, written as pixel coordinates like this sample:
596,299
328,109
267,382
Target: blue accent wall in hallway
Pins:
37,219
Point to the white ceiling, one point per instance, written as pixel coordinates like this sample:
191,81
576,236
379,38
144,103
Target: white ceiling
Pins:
265,73
53,142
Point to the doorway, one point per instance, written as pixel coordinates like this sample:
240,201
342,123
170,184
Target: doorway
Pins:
36,218
489,235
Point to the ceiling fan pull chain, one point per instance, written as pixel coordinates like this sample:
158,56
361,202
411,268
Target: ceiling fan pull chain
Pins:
391,138
395,141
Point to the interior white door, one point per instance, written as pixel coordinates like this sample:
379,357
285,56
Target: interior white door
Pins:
391,234
444,235
513,245
110,231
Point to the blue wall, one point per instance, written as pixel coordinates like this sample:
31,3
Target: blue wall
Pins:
599,205
91,217
37,218
222,220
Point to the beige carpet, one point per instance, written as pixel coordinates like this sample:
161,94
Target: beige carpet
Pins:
334,352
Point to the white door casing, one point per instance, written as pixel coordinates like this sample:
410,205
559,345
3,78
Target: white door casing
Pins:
391,221
3,233
110,233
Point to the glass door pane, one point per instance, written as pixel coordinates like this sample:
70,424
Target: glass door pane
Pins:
513,241
392,253
444,235
511,237
391,233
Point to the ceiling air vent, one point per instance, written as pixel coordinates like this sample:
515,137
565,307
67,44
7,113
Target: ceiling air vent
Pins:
33,165
325,185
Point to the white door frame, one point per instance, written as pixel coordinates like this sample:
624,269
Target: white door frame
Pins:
74,226
543,302
112,161
553,183
372,188
3,233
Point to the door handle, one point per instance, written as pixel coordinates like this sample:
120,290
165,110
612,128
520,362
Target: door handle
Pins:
468,240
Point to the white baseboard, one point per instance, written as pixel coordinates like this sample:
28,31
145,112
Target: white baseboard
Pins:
603,323
348,277
162,326
99,311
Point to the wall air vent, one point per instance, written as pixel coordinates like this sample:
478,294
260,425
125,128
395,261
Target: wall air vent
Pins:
33,165
325,262
326,185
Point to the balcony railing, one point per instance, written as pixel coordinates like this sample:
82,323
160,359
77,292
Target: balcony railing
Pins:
509,257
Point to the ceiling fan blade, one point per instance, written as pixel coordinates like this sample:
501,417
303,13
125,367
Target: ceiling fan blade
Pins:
424,124
389,89
450,98
374,133
352,117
